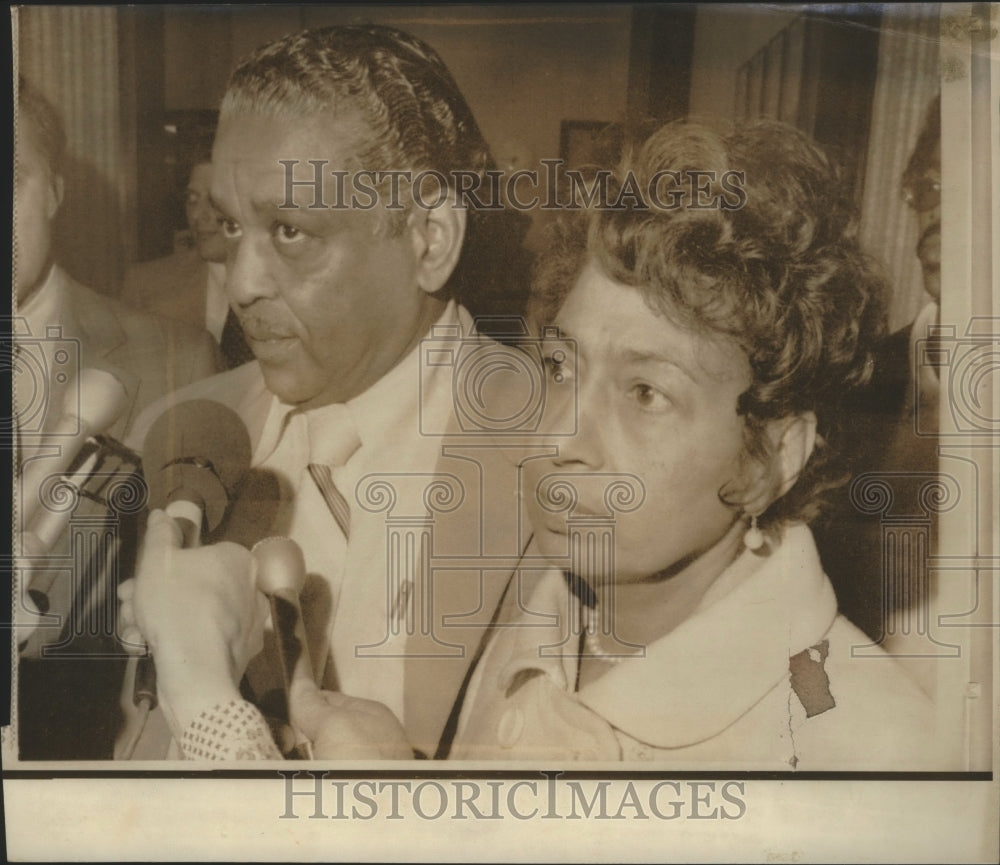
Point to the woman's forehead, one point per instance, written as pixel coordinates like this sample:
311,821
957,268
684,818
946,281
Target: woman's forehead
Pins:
618,322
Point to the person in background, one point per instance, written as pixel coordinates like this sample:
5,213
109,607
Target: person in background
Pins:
883,419
66,709
189,285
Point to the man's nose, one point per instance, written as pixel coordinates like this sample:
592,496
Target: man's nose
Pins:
248,275
203,215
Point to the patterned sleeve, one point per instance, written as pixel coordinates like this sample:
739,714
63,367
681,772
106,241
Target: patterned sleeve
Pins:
232,731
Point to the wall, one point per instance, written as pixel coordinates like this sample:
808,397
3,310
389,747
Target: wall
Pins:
523,69
71,56
726,36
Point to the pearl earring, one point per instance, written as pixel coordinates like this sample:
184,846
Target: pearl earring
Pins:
754,537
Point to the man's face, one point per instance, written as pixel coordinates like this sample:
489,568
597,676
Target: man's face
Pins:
36,200
925,196
202,218
329,303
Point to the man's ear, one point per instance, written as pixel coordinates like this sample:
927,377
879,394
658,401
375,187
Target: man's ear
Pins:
438,234
792,440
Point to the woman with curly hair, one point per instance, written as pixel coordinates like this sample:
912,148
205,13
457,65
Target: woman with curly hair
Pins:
714,310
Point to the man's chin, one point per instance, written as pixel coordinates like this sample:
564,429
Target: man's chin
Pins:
286,384
932,282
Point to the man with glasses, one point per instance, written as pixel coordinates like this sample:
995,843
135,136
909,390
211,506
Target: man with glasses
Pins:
883,423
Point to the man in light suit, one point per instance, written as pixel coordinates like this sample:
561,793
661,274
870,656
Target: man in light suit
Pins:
361,319
189,284
66,709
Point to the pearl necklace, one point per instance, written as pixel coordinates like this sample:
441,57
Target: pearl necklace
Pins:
593,644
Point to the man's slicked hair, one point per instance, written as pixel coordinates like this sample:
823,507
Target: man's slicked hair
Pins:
414,118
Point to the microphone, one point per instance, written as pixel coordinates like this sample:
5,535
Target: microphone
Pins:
194,456
281,573
90,406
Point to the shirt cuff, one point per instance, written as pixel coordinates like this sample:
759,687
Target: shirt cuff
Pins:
230,731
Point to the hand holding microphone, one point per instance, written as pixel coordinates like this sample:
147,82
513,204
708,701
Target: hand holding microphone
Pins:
328,725
194,456
201,615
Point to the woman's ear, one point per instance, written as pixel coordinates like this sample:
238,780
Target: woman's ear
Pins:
795,445
438,234
792,440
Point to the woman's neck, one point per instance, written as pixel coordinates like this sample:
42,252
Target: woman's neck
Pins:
644,611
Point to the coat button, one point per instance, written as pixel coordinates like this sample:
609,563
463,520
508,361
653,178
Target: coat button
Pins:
510,727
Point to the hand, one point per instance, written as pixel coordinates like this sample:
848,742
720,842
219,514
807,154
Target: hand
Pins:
348,728
199,612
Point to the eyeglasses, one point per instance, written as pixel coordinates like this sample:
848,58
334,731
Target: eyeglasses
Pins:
923,194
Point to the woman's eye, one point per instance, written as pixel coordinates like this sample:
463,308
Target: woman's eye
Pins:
288,233
648,397
230,228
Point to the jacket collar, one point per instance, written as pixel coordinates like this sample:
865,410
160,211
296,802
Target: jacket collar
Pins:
712,668
92,319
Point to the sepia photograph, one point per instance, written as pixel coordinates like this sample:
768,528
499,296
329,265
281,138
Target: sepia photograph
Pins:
504,432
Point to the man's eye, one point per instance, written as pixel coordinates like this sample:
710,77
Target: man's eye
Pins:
649,398
288,234
230,228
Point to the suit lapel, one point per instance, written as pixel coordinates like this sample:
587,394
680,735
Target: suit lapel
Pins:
475,550
95,323
464,605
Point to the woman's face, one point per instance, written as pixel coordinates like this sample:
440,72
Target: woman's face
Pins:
203,219
657,403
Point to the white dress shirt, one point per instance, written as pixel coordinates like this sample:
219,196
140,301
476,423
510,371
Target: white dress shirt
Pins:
347,599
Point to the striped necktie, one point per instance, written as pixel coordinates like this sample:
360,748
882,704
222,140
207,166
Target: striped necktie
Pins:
335,501
333,440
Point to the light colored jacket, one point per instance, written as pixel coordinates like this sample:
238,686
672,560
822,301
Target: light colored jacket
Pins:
760,677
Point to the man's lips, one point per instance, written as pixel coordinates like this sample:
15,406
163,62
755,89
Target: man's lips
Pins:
268,342
929,246
262,331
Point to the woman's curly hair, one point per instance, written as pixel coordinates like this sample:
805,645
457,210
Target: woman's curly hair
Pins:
780,273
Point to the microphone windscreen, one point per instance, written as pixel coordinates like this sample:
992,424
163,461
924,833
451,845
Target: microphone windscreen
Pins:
252,509
280,565
197,449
